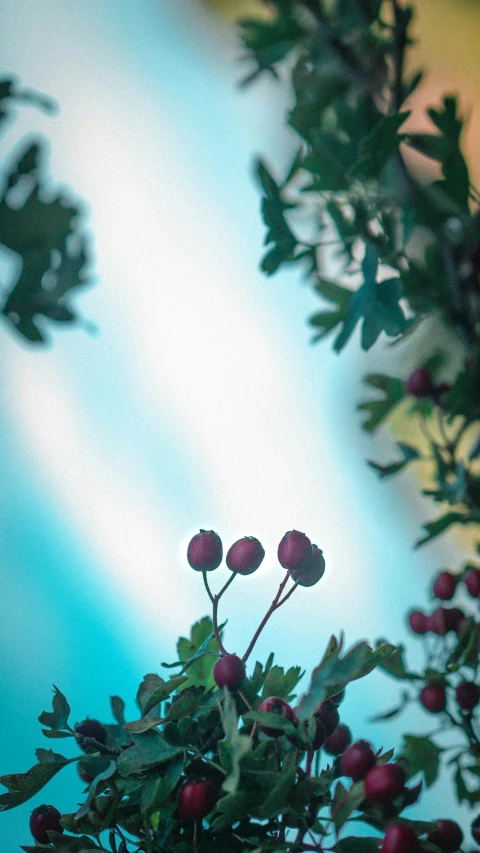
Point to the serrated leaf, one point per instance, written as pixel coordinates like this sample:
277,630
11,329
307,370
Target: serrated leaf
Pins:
58,718
239,745
162,692
150,749
22,786
423,756
393,391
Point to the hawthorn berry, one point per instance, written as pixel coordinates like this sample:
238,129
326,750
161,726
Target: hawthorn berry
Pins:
453,618
471,580
275,705
245,555
91,728
294,551
399,838
313,571
229,671
475,829
205,551
319,735
357,760
418,622
384,782
436,622
419,383
444,586
468,695
43,819
433,698
338,741
447,835
196,798
328,714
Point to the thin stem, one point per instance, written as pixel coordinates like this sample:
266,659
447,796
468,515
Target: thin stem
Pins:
214,599
308,768
244,699
274,605
289,593
400,42
209,591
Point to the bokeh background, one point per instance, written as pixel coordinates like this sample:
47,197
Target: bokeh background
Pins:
199,402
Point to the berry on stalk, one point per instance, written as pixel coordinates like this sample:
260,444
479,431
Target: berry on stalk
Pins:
43,819
419,383
468,695
328,714
384,782
245,555
313,571
447,835
357,760
436,622
399,838
418,622
229,671
205,551
294,551
91,728
316,741
444,586
275,705
338,741
471,580
196,798
433,698
454,618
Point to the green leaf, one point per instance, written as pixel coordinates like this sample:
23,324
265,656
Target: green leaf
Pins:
58,718
345,802
463,793
192,653
395,664
118,708
423,756
270,720
351,844
159,786
410,454
22,786
94,788
239,745
280,683
150,749
148,685
143,725
393,390
338,296
49,755
160,693
278,795
441,524
379,146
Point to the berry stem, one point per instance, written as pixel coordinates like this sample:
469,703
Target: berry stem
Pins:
308,767
276,603
214,599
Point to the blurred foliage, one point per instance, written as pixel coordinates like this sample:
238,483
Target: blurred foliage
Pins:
41,231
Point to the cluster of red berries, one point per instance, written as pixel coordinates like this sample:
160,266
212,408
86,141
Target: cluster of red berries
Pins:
420,384
434,696
400,838
445,619
296,553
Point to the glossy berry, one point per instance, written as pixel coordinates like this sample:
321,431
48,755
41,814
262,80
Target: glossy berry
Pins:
471,580
91,728
384,782
444,586
275,705
447,835
313,571
436,622
357,760
419,383
418,622
399,838
229,671
475,829
328,714
294,551
454,618
338,741
301,741
433,698
43,819
196,798
205,551
245,555
468,695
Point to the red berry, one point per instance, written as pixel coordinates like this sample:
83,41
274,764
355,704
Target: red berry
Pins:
433,698
437,623
337,742
357,760
475,829
205,551
447,835
85,776
471,580
196,798
418,622
328,714
43,819
419,383
384,782
444,586
453,618
399,838
229,671
467,694
91,728
245,555
319,735
313,571
275,705
294,551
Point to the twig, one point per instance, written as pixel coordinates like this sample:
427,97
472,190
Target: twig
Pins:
276,603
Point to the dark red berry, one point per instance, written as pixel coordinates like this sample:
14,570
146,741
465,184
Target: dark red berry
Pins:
475,829
471,580
468,695
294,551
328,714
275,705
313,571
229,671
91,728
196,798
419,383
433,698
447,835
436,622
384,782
357,760
205,551
444,586
85,776
245,555
418,622
337,742
439,392
453,618
399,838
43,819
303,740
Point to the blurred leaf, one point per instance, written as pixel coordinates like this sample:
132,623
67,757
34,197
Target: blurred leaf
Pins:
393,390
423,756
